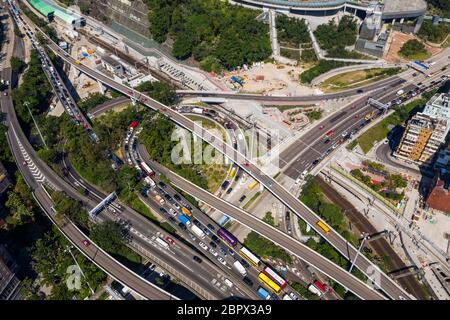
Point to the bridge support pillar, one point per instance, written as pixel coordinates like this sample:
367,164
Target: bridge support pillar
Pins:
418,25
101,87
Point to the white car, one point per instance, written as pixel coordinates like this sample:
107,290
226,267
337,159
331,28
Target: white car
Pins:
222,261
204,246
293,296
213,252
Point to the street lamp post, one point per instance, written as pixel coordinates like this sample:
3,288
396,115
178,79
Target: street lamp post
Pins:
35,123
82,273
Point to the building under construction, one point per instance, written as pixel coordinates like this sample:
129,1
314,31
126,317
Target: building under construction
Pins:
426,132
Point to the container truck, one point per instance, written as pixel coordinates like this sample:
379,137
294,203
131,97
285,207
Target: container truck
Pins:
184,220
197,231
263,293
239,267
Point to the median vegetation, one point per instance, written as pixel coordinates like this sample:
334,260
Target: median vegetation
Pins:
320,68
265,248
313,197
216,34
380,131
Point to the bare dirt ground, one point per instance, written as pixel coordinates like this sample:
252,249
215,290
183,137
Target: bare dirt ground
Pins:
270,79
398,40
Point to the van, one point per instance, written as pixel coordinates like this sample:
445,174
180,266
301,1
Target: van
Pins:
304,173
228,282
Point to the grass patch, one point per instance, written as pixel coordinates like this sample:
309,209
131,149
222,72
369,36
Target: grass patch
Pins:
140,207
352,145
302,225
215,174
268,218
355,79
166,226
249,202
284,108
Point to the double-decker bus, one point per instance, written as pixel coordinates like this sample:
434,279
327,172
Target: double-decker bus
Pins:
249,256
147,169
323,226
275,277
269,283
227,236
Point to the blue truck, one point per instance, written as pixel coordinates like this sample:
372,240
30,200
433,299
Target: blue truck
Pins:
263,293
184,220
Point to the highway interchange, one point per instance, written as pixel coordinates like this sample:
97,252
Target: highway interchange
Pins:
315,142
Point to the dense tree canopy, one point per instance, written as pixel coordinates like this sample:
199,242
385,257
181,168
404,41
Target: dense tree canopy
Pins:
433,33
334,37
412,49
217,34
292,31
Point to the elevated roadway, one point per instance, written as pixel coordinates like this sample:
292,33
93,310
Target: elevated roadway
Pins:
342,245
24,153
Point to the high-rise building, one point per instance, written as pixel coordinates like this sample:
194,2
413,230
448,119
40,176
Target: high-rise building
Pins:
426,131
9,283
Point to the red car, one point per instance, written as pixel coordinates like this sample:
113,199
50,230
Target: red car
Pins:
163,109
247,164
169,240
356,116
24,163
321,127
85,242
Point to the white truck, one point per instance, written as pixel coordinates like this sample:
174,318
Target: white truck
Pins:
240,268
162,243
197,110
197,231
400,92
150,181
312,288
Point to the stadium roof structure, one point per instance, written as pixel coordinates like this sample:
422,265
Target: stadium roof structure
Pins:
46,7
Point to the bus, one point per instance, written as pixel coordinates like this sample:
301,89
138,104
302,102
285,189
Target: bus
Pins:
249,256
232,172
269,283
275,277
323,226
252,185
146,168
227,236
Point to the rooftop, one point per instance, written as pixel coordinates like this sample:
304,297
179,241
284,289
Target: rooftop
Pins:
439,198
438,106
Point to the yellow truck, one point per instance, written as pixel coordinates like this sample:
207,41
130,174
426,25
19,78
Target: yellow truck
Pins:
252,185
186,211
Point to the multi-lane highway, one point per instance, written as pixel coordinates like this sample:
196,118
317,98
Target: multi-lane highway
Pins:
31,168
387,284
304,98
